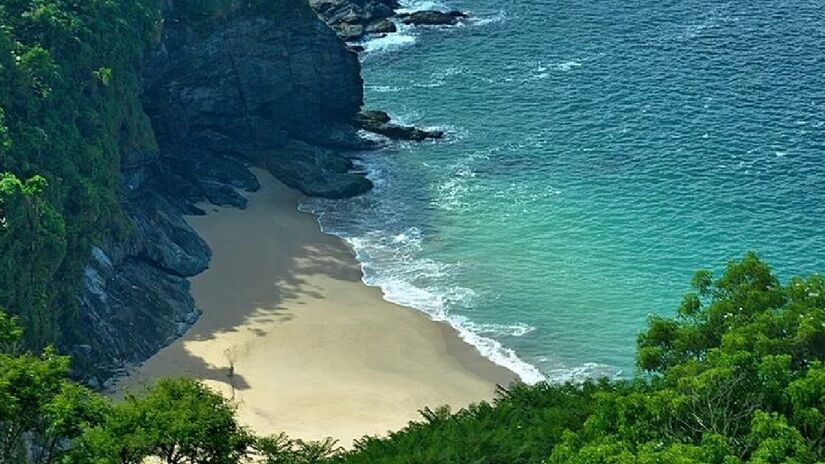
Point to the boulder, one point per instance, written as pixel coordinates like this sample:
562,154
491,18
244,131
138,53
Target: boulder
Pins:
432,18
316,171
379,122
384,26
351,19
350,31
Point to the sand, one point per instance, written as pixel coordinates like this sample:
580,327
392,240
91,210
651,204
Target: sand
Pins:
315,352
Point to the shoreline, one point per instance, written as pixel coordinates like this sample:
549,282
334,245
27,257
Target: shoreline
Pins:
291,333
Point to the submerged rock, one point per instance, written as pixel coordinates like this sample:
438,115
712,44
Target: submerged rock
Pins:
432,18
379,122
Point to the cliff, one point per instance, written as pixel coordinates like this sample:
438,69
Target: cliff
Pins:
237,88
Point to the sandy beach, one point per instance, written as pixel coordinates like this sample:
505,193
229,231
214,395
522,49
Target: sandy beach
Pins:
314,351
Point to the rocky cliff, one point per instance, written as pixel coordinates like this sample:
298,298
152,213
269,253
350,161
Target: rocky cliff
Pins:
275,90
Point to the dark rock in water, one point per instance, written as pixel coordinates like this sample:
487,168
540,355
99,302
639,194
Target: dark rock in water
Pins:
369,117
340,137
316,171
356,48
432,18
384,26
345,16
348,31
379,122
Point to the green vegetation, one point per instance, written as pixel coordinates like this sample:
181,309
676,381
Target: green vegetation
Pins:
69,111
737,376
69,107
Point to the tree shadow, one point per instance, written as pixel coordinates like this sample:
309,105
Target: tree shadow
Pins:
260,274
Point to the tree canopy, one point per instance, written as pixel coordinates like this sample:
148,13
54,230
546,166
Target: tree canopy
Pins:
69,107
737,376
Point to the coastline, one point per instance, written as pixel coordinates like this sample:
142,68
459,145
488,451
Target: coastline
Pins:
313,351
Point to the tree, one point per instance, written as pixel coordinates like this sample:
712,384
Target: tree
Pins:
32,246
178,421
40,409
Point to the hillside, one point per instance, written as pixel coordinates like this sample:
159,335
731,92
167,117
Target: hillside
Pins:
119,116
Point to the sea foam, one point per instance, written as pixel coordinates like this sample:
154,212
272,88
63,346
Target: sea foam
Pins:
390,255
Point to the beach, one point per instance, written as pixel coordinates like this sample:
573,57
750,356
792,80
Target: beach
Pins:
293,336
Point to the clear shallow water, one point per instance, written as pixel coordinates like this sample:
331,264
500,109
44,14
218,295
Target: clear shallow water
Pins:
597,155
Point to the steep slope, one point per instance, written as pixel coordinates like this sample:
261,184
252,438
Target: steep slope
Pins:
224,83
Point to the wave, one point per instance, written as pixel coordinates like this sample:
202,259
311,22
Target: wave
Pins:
398,286
568,65
586,371
479,21
411,6
403,37
390,254
407,35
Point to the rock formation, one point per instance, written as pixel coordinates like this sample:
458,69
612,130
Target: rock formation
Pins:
432,18
279,91
353,19
252,90
379,122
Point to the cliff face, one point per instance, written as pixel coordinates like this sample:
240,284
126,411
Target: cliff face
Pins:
250,86
275,91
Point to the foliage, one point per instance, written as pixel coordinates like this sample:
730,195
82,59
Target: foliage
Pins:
40,409
736,376
69,105
280,449
178,421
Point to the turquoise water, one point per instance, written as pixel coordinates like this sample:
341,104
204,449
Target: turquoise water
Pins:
598,154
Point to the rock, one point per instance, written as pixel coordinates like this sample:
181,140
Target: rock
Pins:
249,86
242,92
384,26
135,165
222,194
349,31
316,171
379,122
351,19
372,117
142,312
432,18
163,237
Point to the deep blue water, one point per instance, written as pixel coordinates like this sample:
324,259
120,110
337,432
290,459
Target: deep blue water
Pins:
598,154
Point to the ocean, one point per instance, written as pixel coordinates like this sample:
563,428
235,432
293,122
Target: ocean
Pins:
597,154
